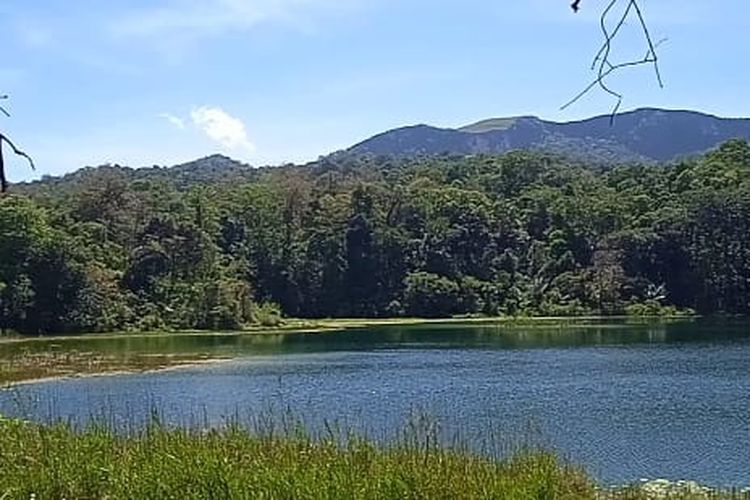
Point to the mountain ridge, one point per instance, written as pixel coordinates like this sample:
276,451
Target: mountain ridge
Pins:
645,135
648,135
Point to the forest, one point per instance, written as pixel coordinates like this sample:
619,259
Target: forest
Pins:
218,245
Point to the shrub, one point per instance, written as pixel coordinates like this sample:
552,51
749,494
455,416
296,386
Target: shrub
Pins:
267,314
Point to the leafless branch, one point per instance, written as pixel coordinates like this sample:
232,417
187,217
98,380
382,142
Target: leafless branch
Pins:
602,63
18,152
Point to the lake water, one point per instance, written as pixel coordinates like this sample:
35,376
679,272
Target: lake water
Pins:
626,400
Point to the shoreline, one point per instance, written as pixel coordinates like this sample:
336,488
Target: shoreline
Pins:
321,326
81,366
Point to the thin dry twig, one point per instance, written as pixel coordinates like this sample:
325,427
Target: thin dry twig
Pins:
2,109
602,63
651,45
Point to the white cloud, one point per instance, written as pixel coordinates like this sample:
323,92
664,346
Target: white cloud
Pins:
174,120
222,128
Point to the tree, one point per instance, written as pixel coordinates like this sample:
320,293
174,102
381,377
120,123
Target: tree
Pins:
430,295
42,278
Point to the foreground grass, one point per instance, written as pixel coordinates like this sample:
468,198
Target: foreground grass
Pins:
55,462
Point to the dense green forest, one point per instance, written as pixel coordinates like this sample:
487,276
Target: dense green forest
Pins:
216,245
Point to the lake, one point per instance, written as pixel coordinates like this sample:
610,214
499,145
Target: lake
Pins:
628,400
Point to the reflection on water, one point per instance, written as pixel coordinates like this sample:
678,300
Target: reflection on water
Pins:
628,399
573,333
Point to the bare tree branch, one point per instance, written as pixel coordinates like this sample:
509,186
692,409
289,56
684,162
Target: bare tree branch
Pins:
18,152
602,63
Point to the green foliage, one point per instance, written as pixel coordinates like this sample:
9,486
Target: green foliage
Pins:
652,308
517,234
429,295
267,314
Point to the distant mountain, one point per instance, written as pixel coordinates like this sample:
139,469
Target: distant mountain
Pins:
644,135
210,170
215,169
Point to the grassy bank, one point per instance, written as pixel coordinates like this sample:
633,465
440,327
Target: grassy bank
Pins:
56,462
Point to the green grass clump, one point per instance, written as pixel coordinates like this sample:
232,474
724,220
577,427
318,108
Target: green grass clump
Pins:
49,462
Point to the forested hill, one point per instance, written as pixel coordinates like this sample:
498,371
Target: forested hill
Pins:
210,170
216,244
644,135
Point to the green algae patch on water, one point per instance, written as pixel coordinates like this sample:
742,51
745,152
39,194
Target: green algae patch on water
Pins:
37,366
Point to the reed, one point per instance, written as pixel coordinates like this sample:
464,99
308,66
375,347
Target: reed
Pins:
38,461
58,461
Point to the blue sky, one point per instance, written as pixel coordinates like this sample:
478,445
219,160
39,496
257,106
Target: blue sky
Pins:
142,82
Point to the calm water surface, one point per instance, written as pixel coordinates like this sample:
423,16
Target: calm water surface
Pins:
627,400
